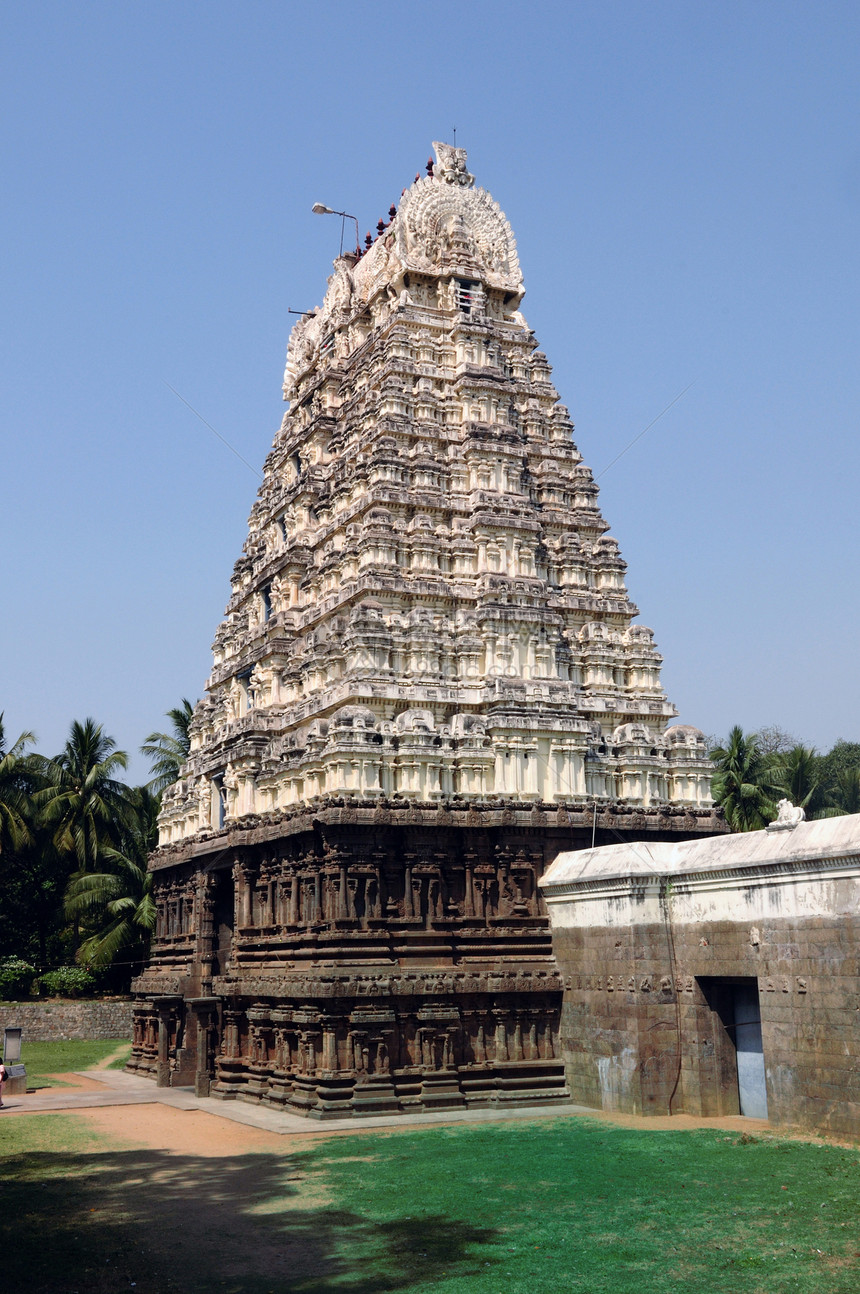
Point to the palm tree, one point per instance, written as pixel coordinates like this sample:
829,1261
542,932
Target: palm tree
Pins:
34,873
83,801
14,767
798,773
168,751
846,790
117,899
744,782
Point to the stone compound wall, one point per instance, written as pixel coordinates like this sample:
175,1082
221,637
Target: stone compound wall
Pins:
61,1018
669,951
638,1032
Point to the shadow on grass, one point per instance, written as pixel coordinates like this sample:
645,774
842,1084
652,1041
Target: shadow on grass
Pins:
156,1222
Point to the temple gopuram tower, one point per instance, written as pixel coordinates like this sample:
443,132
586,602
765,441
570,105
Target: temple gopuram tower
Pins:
428,682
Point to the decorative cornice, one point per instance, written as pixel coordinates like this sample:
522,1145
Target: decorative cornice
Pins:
768,872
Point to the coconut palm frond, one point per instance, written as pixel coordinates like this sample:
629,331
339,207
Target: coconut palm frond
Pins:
745,782
168,751
83,799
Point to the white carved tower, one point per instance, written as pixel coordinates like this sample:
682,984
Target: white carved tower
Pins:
427,683
428,605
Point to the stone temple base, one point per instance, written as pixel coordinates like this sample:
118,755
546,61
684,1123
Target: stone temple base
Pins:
411,1042
337,965
400,1054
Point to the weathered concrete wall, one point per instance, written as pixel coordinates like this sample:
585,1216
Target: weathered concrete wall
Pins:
63,1018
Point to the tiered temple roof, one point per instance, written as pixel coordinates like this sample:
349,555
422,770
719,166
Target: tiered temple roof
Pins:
428,607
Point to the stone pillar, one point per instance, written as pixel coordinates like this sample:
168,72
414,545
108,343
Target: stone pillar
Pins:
312,1047
469,899
407,888
518,1037
329,1046
162,1064
205,901
481,1041
247,898
501,1036
203,1075
531,1049
238,897
231,1034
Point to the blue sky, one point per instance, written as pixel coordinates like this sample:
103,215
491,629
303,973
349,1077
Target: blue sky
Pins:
684,184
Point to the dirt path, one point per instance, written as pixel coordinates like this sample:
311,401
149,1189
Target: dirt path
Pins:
192,1132
70,1082
78,1083
187,1132
122,1049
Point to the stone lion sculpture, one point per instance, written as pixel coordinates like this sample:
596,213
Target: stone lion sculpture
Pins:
788,816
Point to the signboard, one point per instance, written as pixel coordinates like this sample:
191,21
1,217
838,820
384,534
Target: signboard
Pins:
11,1046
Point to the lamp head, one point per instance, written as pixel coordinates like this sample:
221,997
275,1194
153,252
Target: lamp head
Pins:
319,209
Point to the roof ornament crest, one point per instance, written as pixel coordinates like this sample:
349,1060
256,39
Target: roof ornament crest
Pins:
451,165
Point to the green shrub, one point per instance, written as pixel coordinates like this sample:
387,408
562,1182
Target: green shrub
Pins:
67,981
16,977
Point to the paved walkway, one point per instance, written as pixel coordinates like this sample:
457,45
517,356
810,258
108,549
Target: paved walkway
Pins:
129,1089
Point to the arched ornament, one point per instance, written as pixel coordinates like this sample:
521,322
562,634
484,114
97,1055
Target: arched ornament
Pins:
444,224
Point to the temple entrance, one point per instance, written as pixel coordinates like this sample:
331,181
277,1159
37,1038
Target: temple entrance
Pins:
222,922
736,1004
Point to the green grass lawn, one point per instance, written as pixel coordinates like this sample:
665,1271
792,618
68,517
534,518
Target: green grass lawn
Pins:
520,1208
64,1056
577,1205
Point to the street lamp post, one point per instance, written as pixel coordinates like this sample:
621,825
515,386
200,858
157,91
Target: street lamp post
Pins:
320,209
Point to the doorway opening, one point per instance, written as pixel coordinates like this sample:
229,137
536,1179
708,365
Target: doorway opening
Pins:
734,1002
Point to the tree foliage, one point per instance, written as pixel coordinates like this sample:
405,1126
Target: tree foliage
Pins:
14,787
754,770
83,799
744,782
168,751
799,775
846,790
117,900
843,757
33,874
74,844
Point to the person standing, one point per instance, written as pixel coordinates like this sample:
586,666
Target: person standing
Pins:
3,1076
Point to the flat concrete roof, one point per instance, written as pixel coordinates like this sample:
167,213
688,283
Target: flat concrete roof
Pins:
818,841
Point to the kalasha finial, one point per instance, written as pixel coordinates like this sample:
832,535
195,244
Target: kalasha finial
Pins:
368,240
392,212
380,227
417,178
429,165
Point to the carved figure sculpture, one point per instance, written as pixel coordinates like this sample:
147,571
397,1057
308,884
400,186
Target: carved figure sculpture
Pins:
788,816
